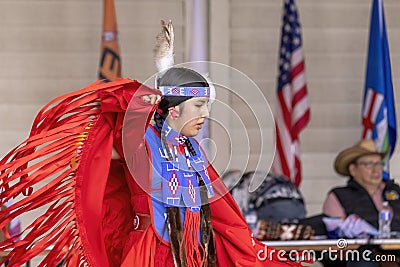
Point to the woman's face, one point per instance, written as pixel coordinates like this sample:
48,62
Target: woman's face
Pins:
367,170
191,116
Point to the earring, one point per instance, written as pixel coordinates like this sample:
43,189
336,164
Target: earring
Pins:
174,114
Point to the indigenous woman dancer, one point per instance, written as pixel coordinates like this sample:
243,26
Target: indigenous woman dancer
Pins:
121,191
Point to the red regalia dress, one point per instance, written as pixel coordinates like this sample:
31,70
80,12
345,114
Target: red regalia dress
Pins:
92,201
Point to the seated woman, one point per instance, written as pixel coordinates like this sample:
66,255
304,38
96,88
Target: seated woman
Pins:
365,191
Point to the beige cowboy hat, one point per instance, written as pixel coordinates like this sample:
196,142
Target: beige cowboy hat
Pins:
349,155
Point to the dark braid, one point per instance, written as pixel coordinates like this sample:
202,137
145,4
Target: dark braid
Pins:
190,147
207,232
159,120
175,232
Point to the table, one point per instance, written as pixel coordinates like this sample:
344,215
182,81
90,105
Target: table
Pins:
323,244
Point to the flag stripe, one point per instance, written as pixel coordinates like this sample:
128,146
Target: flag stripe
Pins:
285,113
299,82
298,70
299,110
284,148
297,56
297,179
300,95
302,122
283,161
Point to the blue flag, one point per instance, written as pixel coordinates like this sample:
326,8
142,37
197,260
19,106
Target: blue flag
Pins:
379,114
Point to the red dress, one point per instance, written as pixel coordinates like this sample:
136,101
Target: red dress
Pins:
92,201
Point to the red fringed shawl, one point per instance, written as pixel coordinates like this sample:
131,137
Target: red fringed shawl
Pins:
64,168
48,170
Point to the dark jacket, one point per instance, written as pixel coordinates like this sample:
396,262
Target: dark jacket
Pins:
356,200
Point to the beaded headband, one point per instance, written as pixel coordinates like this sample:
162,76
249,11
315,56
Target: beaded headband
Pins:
185,91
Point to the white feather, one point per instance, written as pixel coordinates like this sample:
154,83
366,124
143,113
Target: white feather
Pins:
164,48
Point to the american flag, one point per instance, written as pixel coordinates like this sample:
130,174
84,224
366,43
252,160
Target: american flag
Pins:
292,108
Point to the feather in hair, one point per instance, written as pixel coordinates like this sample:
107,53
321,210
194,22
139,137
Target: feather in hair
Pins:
164,48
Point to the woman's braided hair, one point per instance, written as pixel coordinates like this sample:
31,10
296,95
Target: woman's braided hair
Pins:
184,77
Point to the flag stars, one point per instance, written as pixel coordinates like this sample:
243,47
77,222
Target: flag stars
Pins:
286,66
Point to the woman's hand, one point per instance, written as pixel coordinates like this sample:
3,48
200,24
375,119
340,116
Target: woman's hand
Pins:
151,99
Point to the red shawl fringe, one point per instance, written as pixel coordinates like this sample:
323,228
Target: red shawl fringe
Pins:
41,173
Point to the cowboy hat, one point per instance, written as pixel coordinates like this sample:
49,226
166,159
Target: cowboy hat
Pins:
349,155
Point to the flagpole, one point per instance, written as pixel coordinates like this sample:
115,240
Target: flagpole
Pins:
197,45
